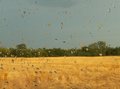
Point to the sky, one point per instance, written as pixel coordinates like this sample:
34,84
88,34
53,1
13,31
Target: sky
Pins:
59,23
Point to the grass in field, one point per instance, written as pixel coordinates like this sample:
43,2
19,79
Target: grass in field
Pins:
60,73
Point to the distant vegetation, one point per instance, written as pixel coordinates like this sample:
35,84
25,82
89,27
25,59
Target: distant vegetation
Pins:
99,48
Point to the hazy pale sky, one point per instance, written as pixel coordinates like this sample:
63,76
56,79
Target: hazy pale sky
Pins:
59,23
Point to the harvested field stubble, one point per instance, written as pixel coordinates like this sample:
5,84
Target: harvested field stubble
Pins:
60,73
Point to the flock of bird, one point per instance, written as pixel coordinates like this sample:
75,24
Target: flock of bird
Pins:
27,12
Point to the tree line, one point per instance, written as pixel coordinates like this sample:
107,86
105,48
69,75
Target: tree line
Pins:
99,48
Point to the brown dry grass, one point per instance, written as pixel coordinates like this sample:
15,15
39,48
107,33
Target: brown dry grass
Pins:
60,73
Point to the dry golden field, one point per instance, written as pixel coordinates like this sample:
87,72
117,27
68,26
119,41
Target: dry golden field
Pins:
60,73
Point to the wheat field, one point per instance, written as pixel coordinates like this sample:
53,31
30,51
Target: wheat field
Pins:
60,73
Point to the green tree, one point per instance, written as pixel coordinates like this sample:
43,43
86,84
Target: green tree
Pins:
21,46
4,52
98,48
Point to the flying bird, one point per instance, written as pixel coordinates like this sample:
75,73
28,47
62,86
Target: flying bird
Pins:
61,25
64,41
